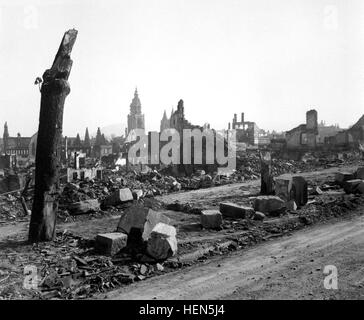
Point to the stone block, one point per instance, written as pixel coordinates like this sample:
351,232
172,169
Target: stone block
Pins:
118,197
82,207
142,218
359,174
110,243
351,186
360,188
162,243
232,210
211,219
272,205
341,177
259,216
317,191
137,194
283,187
133,217
299,192
291,205
153,218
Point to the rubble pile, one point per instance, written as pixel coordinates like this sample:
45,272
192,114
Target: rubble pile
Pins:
69,268
150,182
10,208
249,166
144,242
327,207
153,182
84,190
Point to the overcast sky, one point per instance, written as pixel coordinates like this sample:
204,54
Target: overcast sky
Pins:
273,60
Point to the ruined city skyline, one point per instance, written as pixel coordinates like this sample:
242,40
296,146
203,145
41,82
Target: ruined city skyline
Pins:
262,59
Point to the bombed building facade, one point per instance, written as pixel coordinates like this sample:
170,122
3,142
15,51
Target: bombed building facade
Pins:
305,135
311,136
350,138
246,131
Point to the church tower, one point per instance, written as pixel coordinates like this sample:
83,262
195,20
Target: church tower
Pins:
135,117
87,141
164,122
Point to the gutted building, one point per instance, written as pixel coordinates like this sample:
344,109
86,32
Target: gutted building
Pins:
357,130
246,131
325,131
350,137
305,135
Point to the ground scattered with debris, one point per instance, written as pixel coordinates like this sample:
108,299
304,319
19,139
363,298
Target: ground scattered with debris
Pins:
70,267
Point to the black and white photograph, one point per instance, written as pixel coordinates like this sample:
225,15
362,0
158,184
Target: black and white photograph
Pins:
181,150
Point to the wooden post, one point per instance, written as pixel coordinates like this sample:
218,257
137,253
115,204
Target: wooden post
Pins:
54,91
266,178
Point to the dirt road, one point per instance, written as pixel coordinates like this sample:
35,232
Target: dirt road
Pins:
287,268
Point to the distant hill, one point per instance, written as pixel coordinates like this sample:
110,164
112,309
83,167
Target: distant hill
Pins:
117,129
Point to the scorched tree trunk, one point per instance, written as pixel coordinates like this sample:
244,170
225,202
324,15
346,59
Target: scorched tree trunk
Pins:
54,90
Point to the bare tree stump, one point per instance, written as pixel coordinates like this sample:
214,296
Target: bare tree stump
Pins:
54,91
266,177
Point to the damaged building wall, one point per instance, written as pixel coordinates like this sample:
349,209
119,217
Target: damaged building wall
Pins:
349,138
81,174
357,130
305,135
246,131
178,122
326,131
311,135
311,128
295,138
